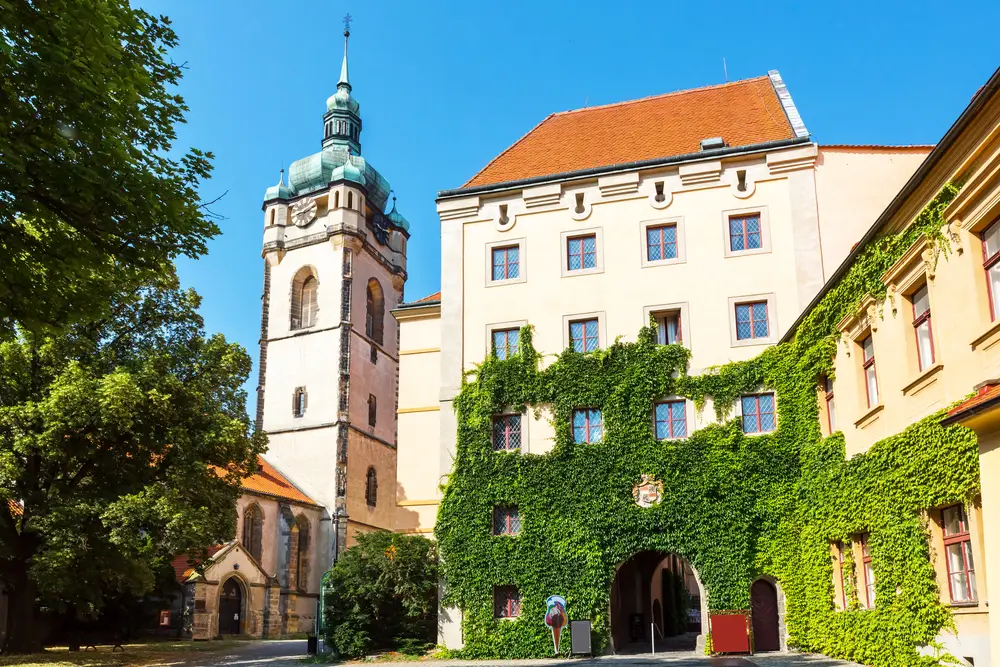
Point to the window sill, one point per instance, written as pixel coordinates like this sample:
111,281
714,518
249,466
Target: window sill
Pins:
731,254
649,264
923,380
869,417
749,342
966,608
508,281
989,337
569,273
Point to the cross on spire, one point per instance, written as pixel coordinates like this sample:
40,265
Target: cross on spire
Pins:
347,25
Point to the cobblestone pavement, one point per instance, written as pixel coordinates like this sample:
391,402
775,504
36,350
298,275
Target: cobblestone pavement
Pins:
290,654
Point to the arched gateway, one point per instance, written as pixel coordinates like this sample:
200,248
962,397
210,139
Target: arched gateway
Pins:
231,607
656,593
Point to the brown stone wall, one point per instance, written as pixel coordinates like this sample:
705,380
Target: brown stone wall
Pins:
365,452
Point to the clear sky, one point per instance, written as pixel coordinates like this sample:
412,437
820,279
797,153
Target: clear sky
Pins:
444,87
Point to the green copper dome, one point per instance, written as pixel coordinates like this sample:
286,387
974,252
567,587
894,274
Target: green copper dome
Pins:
342,100
315,172
396,219
279,191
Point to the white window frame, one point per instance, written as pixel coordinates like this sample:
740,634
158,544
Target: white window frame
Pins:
772,320
564,237
765,230
678,223
522,273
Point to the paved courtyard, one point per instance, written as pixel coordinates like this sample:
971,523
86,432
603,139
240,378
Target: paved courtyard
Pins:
290,654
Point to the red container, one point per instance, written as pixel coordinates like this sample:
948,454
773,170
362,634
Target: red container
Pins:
730,631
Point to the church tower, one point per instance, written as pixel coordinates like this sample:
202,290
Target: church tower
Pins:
334,268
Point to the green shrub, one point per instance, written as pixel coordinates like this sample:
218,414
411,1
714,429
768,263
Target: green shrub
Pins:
382,593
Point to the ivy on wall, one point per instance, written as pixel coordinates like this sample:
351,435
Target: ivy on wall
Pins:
735,506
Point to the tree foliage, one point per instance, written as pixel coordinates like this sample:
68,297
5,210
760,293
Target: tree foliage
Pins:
382,593
124,440
735,506
90,198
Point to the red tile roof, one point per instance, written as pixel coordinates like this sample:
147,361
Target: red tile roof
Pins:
743,113
985,394
269,481
15,508
184,568
433,297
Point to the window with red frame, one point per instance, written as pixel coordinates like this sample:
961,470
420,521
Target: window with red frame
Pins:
751,320
505,343
922,328
506,602
868,365
671,420
991,264
744,232
868,573
581,252
661,242
583,335
506,521
668,327
506,263
506,433
587,426
958,555
831,407
840,576
758,413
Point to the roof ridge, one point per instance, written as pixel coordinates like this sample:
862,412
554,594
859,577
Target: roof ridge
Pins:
509,148
648,98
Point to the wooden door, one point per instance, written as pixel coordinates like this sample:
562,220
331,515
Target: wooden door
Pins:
230,608
764,606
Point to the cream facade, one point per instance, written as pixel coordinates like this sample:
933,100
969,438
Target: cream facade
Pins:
798,192
924,344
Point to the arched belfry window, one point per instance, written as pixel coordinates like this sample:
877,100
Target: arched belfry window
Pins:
304,293
371,487
253,530
336,200
350,199
375,311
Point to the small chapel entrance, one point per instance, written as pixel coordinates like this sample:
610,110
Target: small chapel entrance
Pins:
230,607
655,596
764,616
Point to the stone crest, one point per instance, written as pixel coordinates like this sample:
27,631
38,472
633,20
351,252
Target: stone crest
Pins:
648,492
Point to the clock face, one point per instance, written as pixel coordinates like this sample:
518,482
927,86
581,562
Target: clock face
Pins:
381,231
303,212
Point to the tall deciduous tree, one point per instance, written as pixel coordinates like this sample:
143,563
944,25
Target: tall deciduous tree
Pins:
112,436
89,196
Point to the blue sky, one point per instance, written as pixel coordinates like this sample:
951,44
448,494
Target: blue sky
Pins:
445,86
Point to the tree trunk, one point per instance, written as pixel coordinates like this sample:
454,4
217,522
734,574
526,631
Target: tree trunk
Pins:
21,631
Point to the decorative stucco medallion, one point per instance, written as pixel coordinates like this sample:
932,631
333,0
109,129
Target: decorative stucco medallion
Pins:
303,212
648,492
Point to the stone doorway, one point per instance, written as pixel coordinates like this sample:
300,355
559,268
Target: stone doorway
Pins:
767,615
656,597
231,607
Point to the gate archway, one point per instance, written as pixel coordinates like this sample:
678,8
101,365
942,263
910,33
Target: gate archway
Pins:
656,593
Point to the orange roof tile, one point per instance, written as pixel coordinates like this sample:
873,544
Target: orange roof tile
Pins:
15,508
433,297
985,394
184,568
743,113
269,481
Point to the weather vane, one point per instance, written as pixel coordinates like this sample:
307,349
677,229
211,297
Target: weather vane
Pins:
347,24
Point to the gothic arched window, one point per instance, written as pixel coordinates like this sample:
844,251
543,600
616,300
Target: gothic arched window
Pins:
371,487
302,567
304,292
253,530
375,311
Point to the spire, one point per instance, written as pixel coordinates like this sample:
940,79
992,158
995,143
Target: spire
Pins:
343,68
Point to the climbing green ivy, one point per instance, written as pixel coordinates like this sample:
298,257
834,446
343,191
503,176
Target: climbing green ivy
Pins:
735,506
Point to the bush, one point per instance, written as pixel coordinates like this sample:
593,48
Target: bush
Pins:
382,594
